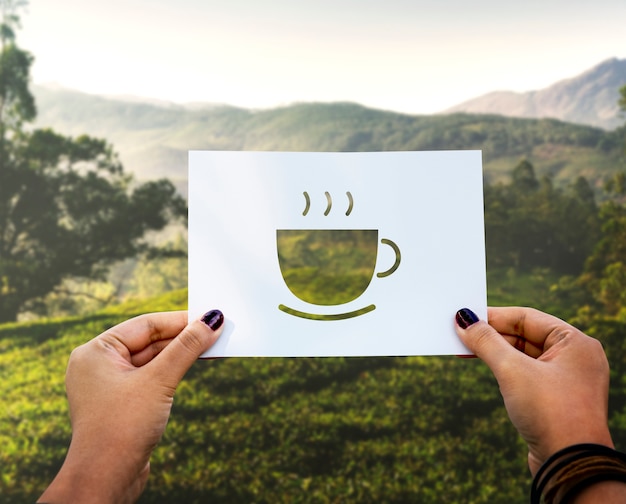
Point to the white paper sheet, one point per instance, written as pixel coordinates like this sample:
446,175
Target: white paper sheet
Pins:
415,216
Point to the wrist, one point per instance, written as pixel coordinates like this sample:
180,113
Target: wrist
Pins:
96,477
561,435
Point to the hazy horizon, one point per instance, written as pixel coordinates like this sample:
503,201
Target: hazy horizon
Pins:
165,102
410,56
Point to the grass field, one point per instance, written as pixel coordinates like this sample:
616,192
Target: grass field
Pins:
300,430
276,430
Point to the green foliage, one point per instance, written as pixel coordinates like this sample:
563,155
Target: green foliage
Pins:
562,234
158,275
162,269
339,430
61,202
413,429
540,288
16,102
603,279
531,224
279,430
67,209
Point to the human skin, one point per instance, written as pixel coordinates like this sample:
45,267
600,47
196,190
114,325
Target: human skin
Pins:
120,389
554,380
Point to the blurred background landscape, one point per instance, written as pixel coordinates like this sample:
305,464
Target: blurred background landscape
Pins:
93,231
153,138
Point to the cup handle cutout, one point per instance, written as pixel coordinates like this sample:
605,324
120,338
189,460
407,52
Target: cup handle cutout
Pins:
396,249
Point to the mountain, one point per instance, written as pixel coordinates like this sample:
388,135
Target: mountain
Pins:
589,98
153,139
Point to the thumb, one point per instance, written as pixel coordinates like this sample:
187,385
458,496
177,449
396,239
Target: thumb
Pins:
195,339
484,341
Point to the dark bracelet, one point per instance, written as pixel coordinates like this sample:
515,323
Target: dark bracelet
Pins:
571,469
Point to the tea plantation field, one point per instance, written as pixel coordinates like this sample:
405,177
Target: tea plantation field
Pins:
300,430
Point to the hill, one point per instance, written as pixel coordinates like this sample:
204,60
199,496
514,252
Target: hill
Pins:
153,139
306,430
277,430
589,98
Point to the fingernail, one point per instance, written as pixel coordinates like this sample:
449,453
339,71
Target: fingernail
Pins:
466,317
214,319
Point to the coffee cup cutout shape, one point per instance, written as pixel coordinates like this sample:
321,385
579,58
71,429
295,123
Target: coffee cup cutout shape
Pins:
328,267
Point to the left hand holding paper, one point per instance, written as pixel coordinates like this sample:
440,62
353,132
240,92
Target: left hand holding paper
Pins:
120,388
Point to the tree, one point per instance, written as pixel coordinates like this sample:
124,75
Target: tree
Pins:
531,224
67,208
523,177
16,102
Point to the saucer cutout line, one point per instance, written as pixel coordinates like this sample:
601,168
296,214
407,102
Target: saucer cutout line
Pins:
315,316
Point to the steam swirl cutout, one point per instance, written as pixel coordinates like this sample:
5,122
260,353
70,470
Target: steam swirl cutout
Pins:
308,203
350,203
329,203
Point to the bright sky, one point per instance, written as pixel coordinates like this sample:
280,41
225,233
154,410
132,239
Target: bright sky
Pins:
414,56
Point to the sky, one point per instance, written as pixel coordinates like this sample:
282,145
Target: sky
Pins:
411,56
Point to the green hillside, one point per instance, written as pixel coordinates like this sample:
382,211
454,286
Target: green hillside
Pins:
294,430
153,140
277,430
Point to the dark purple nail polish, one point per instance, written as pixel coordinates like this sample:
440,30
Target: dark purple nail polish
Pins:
214,319
465,318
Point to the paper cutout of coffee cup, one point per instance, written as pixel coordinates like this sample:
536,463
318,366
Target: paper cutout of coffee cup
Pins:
330,267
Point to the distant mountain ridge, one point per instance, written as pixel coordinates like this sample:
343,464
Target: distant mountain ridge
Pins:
589,98
153,139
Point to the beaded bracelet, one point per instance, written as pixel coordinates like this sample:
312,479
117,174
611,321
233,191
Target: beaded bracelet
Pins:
573,468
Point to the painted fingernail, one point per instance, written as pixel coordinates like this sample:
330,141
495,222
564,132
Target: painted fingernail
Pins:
214,319
465,318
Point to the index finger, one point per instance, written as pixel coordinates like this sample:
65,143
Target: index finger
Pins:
533,325
142,331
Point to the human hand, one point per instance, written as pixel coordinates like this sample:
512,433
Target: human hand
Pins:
554,379
120,388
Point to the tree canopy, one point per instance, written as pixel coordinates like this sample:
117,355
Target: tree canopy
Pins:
530,223
67,208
